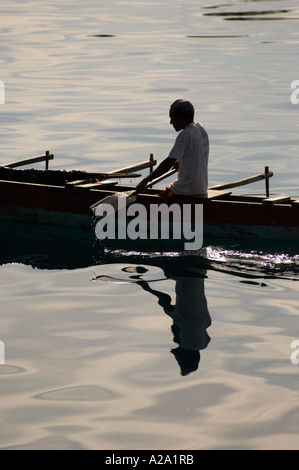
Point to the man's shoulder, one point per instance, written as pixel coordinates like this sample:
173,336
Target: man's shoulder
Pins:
187,130
193,129
198,125
193,126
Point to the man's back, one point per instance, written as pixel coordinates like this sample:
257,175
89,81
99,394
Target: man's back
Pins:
191,148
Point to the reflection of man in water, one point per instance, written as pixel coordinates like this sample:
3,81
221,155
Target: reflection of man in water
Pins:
190,317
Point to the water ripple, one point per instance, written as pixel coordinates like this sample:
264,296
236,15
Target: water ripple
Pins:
78,393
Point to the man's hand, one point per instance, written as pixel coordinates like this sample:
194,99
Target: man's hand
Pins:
176,165
163,168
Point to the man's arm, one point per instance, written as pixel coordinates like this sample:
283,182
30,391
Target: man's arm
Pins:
161,169
164,299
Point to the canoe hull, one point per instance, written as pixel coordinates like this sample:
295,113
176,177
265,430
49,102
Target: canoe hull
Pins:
229,218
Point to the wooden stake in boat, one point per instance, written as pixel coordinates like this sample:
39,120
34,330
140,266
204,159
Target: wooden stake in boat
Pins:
151,160
267,180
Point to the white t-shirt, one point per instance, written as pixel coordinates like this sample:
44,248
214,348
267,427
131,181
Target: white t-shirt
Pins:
191,148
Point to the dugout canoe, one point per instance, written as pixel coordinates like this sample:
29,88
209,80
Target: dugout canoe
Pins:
64,198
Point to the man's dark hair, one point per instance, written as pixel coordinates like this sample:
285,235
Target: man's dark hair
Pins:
183,108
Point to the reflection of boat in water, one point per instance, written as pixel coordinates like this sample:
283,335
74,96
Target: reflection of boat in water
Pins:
190,317
46,247
62,248
189,311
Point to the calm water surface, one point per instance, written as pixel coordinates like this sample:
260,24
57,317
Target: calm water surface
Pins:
89,360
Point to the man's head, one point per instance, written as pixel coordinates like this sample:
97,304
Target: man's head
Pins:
181,114
187,359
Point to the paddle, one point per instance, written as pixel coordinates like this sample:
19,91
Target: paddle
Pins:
129,195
